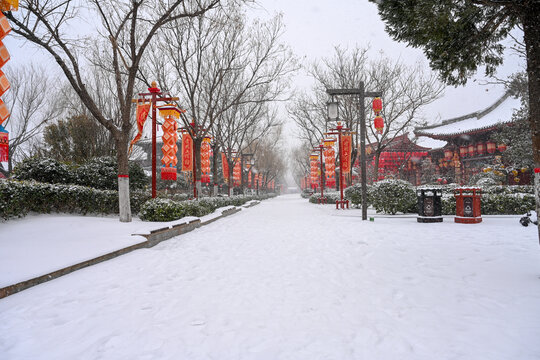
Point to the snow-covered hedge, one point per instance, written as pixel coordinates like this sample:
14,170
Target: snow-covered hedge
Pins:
354,194
331,197
496,204
392,196
306,193
99,173
162,209
18,198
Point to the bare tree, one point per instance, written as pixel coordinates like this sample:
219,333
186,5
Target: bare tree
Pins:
220,66
406,89
31,106
129,26
300,162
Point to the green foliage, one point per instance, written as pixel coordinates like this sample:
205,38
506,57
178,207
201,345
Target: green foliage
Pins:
77,139
354,194
456,36
102,173
99,173
493,203
331,197
18,198
161,209
392,196
43,170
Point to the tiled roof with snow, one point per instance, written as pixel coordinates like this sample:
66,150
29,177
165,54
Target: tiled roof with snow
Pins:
498,113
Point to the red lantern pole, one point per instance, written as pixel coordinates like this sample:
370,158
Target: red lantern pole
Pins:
320,149
337,131
156,95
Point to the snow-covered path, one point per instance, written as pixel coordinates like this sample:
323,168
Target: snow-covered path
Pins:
292,280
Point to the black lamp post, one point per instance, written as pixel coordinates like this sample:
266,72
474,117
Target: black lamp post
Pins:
360,94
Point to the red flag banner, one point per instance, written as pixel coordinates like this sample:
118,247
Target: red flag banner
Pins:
169,149
205,160
237,173
4,145
187,152
314,164
346,148
225,167
141,114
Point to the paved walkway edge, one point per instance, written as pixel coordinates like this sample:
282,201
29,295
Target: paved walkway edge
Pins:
152,239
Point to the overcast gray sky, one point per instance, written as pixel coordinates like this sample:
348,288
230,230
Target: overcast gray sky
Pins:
315,27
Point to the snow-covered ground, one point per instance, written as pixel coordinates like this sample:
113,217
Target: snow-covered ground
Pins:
290,280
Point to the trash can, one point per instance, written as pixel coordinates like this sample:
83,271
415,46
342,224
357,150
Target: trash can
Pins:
429,205
468,201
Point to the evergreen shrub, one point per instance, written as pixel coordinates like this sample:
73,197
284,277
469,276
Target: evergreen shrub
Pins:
392,196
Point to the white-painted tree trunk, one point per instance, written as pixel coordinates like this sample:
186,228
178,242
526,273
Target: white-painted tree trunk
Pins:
216,190
123,199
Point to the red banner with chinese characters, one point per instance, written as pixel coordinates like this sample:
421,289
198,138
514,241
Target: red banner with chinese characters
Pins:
346,148
330,162
205,160
225,167
314,166
237,173
141,114
169,148
187,152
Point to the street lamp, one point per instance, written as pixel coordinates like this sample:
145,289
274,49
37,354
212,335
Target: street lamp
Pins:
360,93
333,110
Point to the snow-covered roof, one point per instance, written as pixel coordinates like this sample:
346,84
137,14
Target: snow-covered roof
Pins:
430,143
498,113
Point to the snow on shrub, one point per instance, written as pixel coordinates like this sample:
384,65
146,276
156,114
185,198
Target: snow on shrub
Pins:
18,198
354,194
163,209
331,197
43,170
392,196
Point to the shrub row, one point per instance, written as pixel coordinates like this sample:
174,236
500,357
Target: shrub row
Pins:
162,209
393,196
18,198
99,173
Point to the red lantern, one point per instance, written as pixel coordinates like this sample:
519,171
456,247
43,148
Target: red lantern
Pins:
463,151
448,154
377,105
471,150
490,146
379,124
501,147
481,149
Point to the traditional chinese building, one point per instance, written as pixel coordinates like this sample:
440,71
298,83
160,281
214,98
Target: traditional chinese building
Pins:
469,147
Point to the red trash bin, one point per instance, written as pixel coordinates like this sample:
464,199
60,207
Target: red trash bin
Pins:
468,201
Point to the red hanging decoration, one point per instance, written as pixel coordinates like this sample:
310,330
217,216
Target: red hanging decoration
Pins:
377,105
501,147
225,167
346,148
491,147
471,150
205,160
4,144
379,124
141,114
237,173
187,152
169,161
481,148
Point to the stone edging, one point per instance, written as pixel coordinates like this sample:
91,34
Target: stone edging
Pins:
152,239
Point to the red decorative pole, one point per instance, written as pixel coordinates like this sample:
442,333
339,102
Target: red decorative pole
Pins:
156,95
337,131
320,149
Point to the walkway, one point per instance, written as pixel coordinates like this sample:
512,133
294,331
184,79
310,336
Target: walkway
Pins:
292,280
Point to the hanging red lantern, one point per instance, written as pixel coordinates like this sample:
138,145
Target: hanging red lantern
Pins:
377,105
379,124
501,147
463,151
490,146
471,150
481,148
448,154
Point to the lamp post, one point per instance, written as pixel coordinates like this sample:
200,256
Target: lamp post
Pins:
155,95
320,150
361,94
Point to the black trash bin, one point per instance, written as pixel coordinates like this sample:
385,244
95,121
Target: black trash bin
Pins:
429,205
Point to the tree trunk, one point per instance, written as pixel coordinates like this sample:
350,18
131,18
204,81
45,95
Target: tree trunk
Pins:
230,180
531,32
123,178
